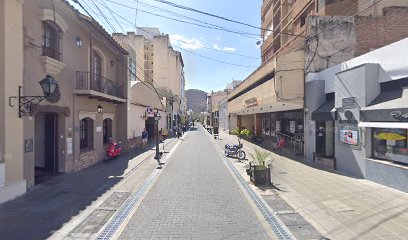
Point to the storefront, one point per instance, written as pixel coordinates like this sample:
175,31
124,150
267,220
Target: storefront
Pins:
387,117
287,125
390,144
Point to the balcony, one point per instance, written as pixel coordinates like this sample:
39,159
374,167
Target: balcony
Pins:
97,87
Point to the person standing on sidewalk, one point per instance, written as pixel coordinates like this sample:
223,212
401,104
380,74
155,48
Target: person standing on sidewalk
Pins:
145,136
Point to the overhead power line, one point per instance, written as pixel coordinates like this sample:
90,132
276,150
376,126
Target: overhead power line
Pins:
112,12
220,17
178,40
208,25
146,84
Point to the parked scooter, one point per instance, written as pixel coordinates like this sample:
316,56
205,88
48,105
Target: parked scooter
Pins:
235,150
114,149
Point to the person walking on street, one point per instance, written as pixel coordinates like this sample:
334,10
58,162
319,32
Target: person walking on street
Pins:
178,133
145,136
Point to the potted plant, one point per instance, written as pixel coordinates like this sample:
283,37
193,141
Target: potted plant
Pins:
259,170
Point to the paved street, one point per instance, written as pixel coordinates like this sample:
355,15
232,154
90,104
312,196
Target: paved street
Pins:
195,197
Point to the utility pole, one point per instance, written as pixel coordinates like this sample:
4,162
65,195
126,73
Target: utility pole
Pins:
157,119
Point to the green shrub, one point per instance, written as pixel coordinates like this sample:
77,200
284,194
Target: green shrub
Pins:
260,157
235,131
245,132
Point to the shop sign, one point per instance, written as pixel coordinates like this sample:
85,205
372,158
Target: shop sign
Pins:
349,103
149,112
251,102
349,137
292,126
399,115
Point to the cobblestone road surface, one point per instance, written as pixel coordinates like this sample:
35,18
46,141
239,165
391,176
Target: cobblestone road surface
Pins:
196,197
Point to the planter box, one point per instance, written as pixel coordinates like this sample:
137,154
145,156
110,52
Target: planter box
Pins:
260,176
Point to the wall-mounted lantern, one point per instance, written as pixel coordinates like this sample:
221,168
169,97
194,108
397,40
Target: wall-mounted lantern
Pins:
27,103
100,109
79,42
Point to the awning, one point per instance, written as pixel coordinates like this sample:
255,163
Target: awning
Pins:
384,124
390,106
326,112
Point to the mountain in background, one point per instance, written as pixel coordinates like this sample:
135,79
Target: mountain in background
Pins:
196,100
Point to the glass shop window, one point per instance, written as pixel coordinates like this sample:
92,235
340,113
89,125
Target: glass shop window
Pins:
390,144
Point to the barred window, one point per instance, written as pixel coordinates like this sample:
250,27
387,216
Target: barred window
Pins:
51,46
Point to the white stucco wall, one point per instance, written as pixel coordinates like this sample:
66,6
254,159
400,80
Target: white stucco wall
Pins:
393,59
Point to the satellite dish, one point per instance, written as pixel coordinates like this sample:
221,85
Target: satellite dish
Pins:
259,42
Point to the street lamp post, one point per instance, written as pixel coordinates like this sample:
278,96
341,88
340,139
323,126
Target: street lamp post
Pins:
157,118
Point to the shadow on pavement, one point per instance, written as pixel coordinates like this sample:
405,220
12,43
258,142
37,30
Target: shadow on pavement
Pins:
46,207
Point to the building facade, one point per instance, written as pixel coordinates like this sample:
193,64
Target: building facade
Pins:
143,96
284,22
70,132
357,116
12,180
162,67
269,102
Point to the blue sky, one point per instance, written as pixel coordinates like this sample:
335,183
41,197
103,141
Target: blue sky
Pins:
200,73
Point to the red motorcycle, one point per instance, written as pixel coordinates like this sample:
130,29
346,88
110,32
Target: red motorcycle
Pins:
113,150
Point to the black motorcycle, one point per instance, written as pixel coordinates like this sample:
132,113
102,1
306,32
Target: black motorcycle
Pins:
235,151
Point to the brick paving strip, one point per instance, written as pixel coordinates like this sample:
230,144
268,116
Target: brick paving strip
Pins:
196,197
92,220
337,206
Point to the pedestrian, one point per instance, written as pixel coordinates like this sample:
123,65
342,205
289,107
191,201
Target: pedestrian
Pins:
145,136
175,130
178,133
161,134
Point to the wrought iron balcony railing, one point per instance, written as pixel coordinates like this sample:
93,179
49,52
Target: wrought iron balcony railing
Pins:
93,81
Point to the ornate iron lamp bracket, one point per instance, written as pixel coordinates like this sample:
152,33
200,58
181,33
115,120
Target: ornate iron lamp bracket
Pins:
27,103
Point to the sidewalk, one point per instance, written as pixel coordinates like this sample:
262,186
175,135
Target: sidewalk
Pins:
338,206
58,202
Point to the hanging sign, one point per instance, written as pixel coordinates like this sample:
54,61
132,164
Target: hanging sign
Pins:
250,102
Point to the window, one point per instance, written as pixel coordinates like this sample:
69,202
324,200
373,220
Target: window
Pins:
132,70
86,134
390,144
266,123
302,21
51,46
107,130
97,71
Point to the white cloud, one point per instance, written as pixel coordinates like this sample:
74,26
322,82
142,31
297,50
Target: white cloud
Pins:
218,38
184,42
229,49
215,46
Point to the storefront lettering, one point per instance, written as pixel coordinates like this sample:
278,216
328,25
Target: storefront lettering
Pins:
399,115
251,102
